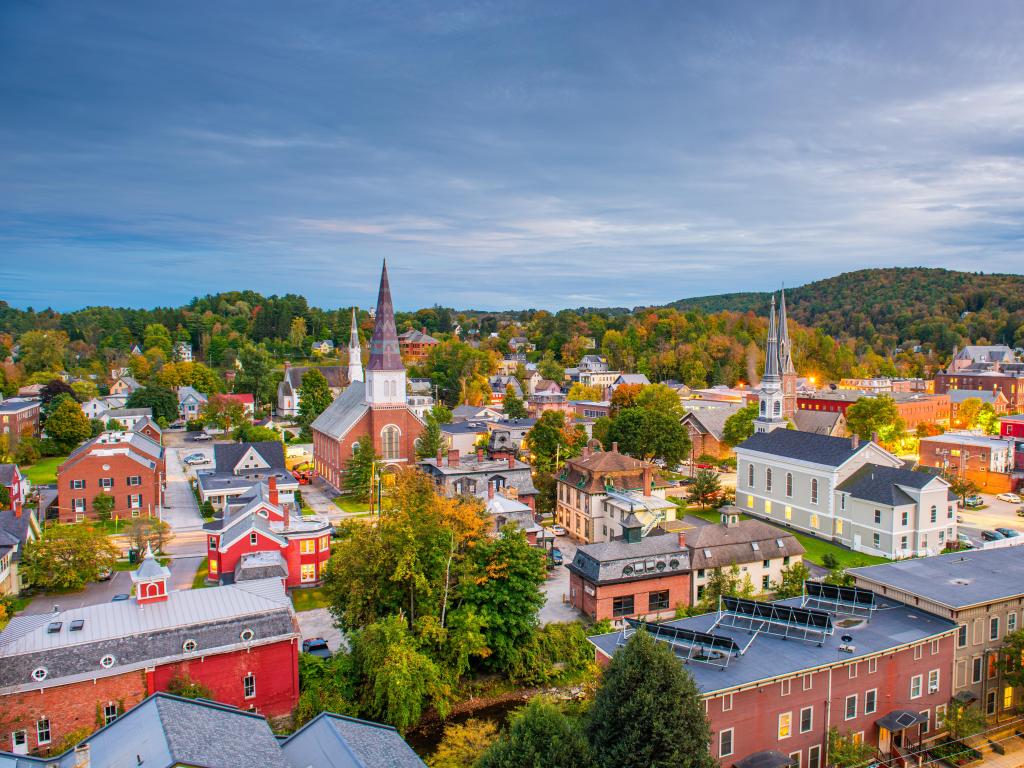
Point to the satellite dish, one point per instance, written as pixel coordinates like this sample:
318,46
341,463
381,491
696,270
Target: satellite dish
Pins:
847,638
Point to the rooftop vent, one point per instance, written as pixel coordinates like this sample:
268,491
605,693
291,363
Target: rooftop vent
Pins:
77,624
707,553
754,546
54,627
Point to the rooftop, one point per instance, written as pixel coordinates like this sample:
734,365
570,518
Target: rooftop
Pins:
803,446
606,562
955,580
964,438
873,482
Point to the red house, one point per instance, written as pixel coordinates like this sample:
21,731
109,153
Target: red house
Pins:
81,668
128,466
1012,427
16,484
247,401
259,537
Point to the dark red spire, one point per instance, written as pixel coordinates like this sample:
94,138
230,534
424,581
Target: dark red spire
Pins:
385,354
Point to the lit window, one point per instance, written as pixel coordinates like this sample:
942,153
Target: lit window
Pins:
750,502
307,546
789,512
308,572
785,725
814,521
1008,697
839,527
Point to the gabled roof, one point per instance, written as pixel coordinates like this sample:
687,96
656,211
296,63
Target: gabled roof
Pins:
416,336
818,422
804,446
336,375
604,563
227,455
186,392
7,473
717,545
711,421
632,378
336,741
344,413
960,395
882,485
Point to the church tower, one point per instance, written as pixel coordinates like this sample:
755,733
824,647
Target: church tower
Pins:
786,368
355,354
385,373
769,412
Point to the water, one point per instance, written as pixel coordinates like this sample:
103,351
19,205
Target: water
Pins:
424,739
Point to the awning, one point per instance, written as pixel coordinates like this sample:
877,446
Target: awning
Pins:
966,697
900,720
768,758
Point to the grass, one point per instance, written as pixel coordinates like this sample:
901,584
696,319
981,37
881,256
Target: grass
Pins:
124,565
199,582
44,471
308,599
816,548
345,504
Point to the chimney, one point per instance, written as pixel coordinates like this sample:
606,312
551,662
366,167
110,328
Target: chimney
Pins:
82,759
615,447
273,491
586,452
440,455
682,539
855,441
479,454
511,461
874,437
287,365
490,489
648,479
423,330
453,457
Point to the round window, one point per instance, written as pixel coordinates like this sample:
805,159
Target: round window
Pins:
673,563
627,570
107,661
247,635
106,467
39,673
188,646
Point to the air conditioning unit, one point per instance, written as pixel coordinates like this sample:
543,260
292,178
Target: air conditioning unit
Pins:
933,689
848,648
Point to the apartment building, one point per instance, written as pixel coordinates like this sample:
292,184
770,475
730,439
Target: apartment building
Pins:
986,461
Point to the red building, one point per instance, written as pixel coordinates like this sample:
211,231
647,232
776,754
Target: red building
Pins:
83,667
246,400
913,407
775,677
1011,384
19,417
1012,427
376,409
259,537
16,484
126,465
416,345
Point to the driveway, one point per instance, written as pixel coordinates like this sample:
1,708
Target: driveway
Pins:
180,509
556,588
319,623
318,495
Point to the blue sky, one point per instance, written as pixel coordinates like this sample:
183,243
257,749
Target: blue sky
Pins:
505,154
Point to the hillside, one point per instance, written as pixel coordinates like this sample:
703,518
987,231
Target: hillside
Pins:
889,306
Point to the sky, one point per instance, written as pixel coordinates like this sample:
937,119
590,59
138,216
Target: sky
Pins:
501,154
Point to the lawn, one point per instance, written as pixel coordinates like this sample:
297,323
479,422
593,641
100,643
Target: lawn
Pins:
199,582
816,548
346,504
44,471
308,599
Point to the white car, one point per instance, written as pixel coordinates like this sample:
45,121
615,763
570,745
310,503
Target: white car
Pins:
558,530
1013,498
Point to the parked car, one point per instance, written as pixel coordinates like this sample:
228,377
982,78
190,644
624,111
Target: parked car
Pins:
1020,511
963,538
119,598
1009,533
200,437
316,646
972,502
1013,498
959,518
558,530
196,458
556,556
992,536
105,574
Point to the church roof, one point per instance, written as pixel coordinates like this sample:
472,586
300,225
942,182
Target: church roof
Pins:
344,413
385,354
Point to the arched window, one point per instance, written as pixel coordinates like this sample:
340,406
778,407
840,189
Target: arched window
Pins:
777,408
814,490
935,513
390,437
768,479
750,475
763,404
789,483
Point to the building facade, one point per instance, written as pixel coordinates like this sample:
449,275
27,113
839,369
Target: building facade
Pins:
457,475
986,461
19,417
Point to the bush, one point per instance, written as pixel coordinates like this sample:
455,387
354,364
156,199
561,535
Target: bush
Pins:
207,509
553,651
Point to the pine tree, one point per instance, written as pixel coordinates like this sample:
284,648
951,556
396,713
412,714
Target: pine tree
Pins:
647,711
514,406
314,396
359,470
430,441
540,736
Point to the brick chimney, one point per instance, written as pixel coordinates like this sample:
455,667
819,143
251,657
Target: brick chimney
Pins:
682,539
479,454
648,479
453,457
82,757
273,491
874,437
615,447
440,456
490,489
586,452
287,365
855,441
423,330
511,461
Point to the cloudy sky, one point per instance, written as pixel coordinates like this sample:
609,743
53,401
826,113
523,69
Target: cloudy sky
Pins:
505,154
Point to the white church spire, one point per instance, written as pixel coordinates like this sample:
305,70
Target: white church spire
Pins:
355,354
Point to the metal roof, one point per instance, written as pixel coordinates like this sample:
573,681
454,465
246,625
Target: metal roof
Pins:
344,413
803,446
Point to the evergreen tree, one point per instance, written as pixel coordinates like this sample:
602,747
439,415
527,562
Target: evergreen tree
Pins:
103,505
431,441
314,396
647,711
540,736
359,470
514,406
161,399
705,487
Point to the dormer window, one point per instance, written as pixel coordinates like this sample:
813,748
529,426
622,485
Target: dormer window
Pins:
253,539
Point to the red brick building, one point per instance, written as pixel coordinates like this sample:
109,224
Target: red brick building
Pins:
126,465
19,417
1011,384
259,537
1012,428
82,667
987,461
913,407
879,676
376,409
416,345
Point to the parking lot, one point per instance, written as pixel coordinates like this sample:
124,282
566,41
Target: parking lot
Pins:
996,514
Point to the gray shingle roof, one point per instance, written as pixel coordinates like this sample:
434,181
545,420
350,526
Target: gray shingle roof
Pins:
227,455
334,741
604,563
344,413
820,422
7,473
876,483
803,446
711,420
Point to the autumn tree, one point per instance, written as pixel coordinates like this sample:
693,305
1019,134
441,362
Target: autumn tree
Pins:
42,350
553,439
67,426
221,412
705,488
460,372
967,412
585,392
67,557
462,744
297,333
623,397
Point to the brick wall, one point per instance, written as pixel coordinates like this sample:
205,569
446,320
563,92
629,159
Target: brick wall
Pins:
600,605
330,456
90,468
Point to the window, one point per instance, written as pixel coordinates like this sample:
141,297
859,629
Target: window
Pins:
1008,697
109,713
622,606
935,647
188,646
851,707
77,485
727,703
43,731
213,542
839,527
814,490
933,681
766,563
253,539
1011,622
870,701
842,501
876,540
750,475
794,759
878,517
814,757
766,582
990,703
107,661
307,546
325,543
806,719
134,480
390,438
851,671
768,479
872,665
918,652
976,670
725,743
135,501
903,542
814,521
658,601
915,687
78,505
308,572
961,636
940,716
905,518
246,635
934,514
926,725
808,682
249,686
993,628
786,686
39,674
767,507
789,512
785,725
750,501
992,668
106,482
789,483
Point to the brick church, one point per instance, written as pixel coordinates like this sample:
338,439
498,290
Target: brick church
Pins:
374,405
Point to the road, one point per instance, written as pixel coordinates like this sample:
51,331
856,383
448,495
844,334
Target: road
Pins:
556,588
180,509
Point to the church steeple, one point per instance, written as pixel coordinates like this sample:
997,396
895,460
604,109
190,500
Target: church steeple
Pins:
785,350
771,352
385,373
770,400
355,353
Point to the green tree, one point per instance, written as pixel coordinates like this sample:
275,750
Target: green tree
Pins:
875,414
67,426
184,686
67,557
961,487
540,735
156,336
1011,659
463,743
648,712
844,751
553,440
601,431
740,425
725,582
5,497
297,333
513,405
988,420
162,401
661,398
705,488
792,582
359,470
549,368
42,350
103,505
460,372
963,720
256,376
314,395
431,441
84,390
326,685
650,434
222,413
250,433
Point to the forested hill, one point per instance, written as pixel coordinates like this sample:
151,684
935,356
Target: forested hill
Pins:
889,306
